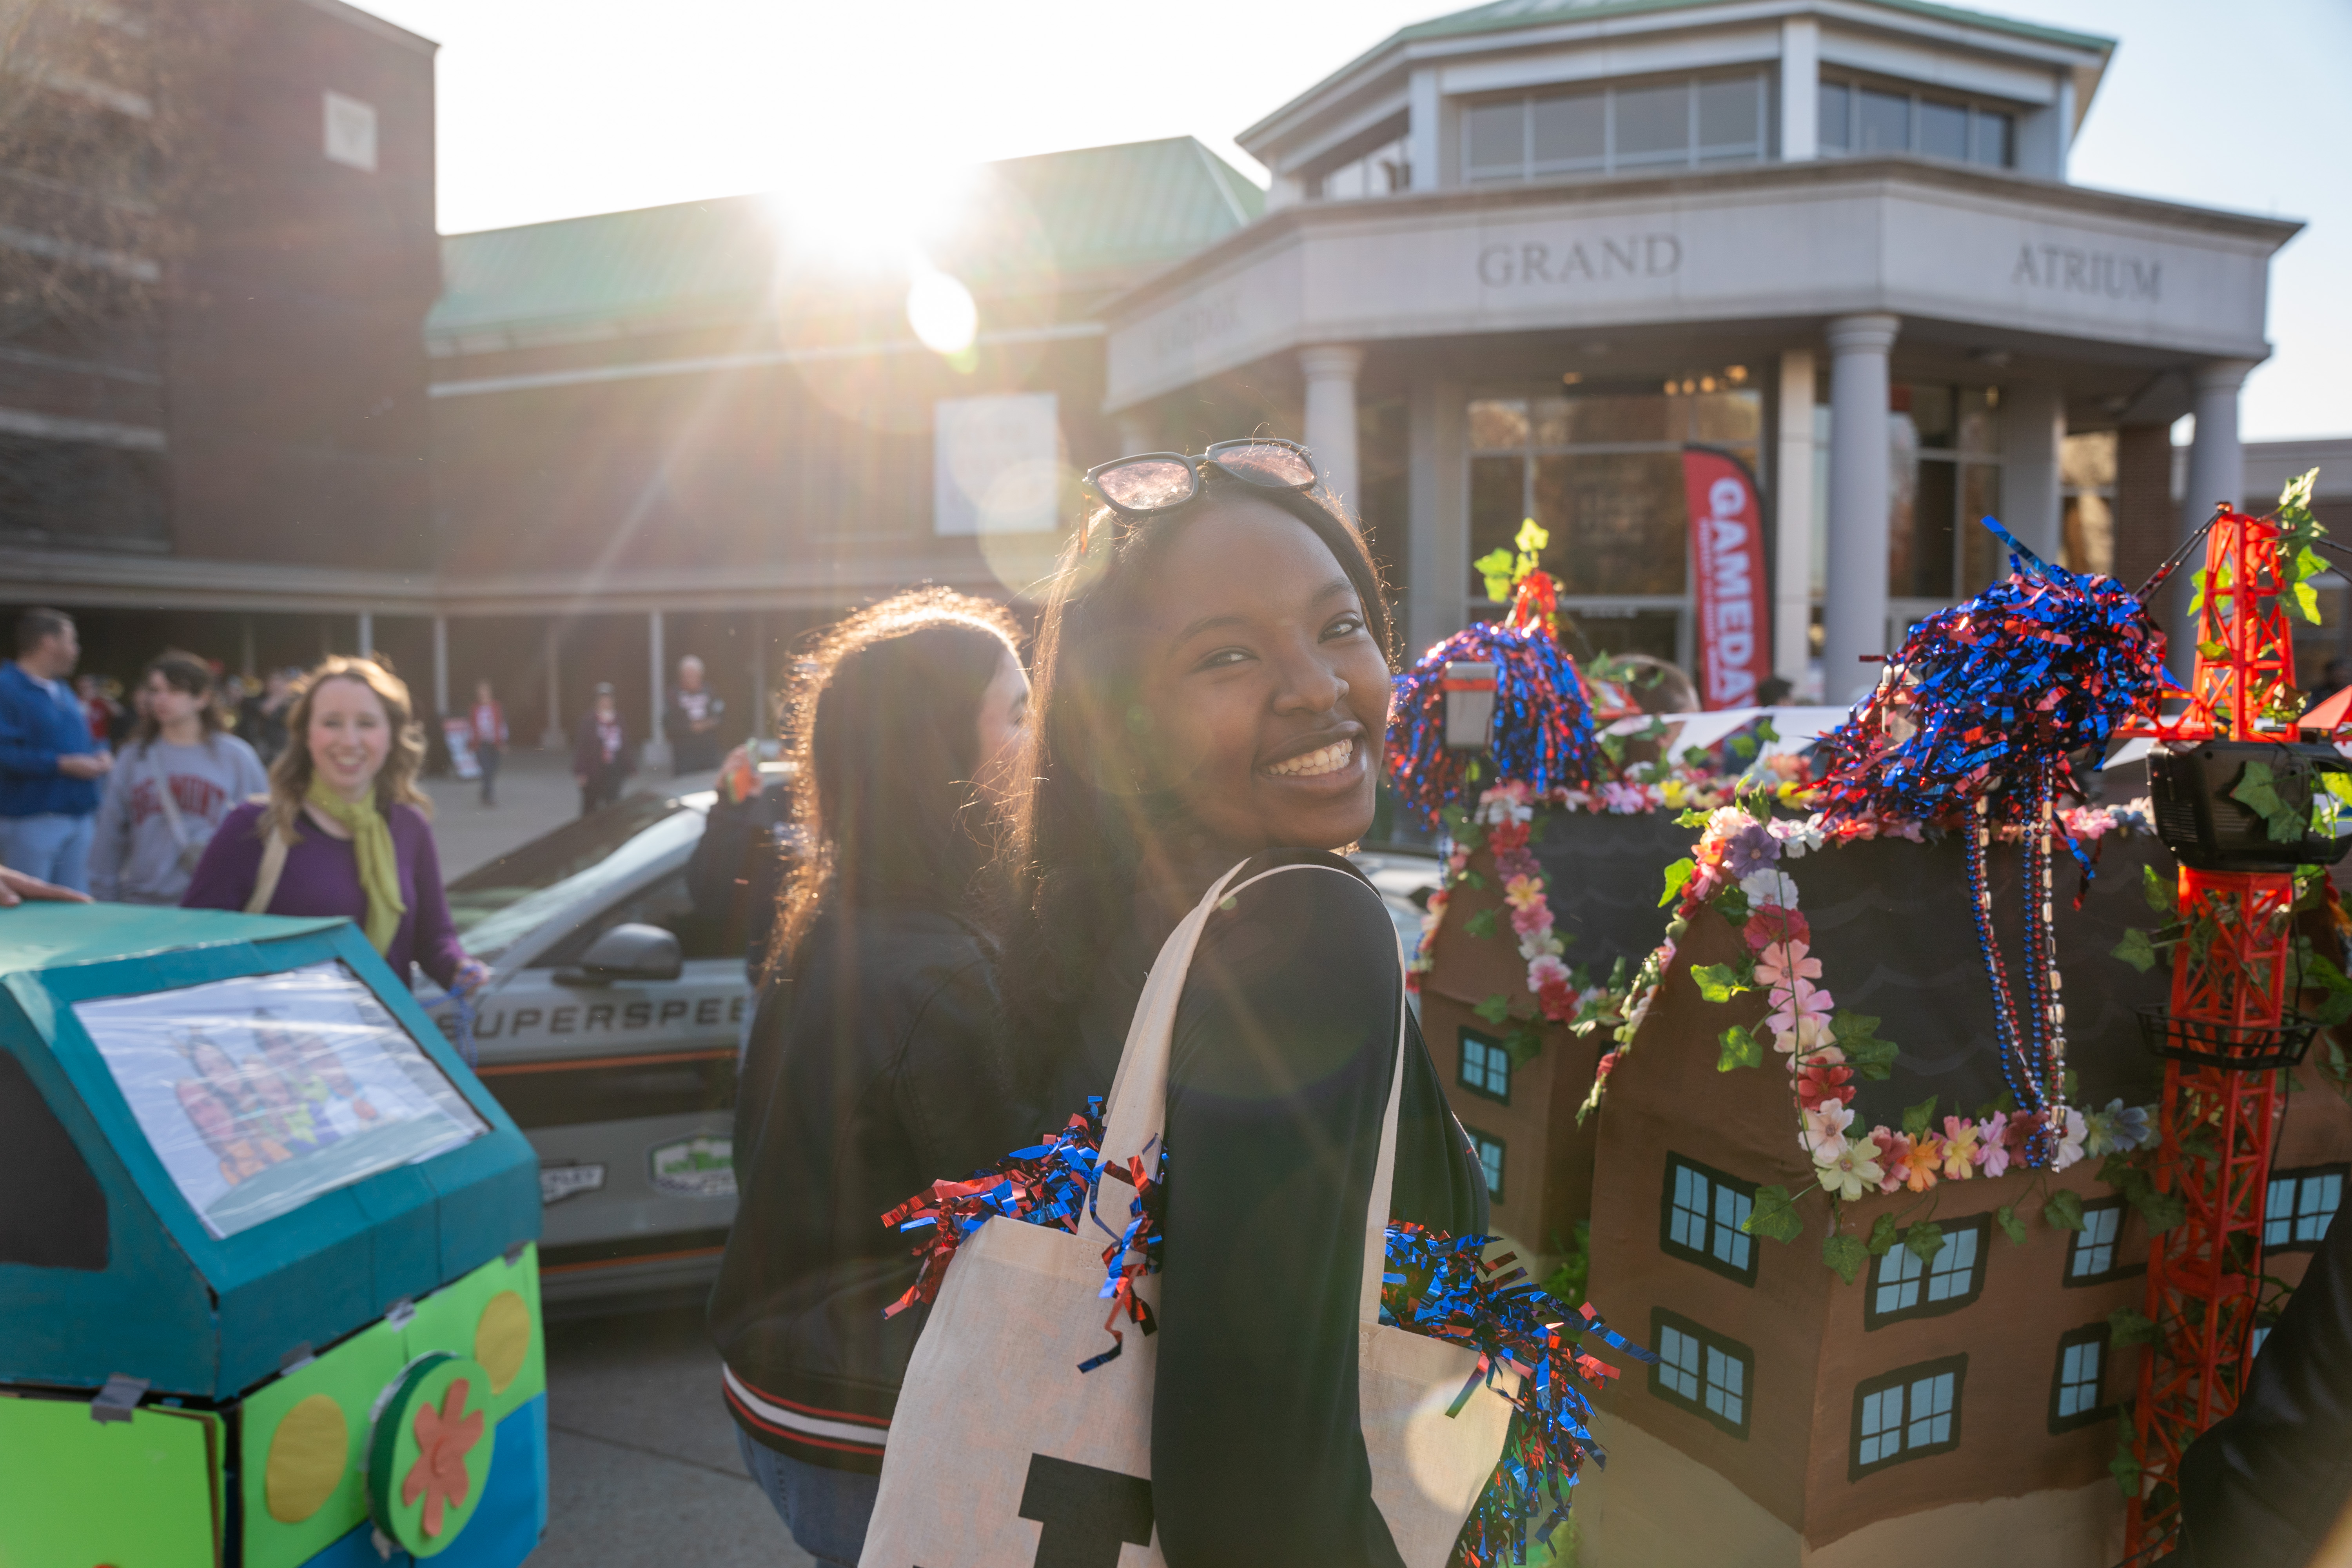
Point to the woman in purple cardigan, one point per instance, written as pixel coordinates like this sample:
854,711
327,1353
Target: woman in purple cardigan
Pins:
343,829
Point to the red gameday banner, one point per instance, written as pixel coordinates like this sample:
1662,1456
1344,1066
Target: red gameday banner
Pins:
1735,631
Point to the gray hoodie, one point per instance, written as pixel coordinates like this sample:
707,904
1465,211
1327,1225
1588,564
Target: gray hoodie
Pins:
135,858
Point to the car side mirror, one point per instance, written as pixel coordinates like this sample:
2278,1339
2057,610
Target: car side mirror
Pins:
630,951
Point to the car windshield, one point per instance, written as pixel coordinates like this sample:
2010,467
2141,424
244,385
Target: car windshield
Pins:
495,905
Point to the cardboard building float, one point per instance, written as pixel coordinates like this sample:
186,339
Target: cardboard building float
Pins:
269,1281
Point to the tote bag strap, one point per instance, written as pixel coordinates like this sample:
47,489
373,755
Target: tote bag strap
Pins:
1137,1111
265,880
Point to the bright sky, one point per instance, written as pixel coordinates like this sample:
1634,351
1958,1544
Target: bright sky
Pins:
554,108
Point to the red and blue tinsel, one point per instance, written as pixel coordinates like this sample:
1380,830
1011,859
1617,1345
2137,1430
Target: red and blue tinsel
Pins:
1433,1284
1543,716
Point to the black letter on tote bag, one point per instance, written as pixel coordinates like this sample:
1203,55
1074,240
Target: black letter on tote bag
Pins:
1087,1513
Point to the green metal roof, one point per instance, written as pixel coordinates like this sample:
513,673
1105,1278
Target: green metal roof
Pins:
1033,222
35,936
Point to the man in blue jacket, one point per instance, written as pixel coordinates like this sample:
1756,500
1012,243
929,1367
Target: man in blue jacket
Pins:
50,766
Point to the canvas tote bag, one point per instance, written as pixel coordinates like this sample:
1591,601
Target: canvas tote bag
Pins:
1002,1455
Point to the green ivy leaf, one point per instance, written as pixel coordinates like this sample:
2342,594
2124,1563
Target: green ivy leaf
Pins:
2011,1225
1524,1044
2136,949
1923,1240
1678,876
1717,981
1480,924
2257,791
2127,1327
2162,1211
1865,1053
1883,1234
1918,1117
2162,896
1738,1049
2064,1210
2306,599
1494,1009
1693,818
2323,971
1774,1217
1844,1255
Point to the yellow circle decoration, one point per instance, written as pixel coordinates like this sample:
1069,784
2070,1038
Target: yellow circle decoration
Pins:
502,1339
306,1455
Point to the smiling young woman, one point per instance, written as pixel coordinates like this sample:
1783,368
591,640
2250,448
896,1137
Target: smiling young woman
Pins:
1212,687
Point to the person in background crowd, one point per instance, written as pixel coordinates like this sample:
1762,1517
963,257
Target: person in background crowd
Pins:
16,888
174,783
487,723
261,720
690,719
345,831
600,753
1774,691
49,765
875,1065
736,874
107,718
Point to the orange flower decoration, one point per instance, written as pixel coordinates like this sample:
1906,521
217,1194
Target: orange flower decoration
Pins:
444,1438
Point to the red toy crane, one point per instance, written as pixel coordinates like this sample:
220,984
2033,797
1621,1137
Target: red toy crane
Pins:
2230,1025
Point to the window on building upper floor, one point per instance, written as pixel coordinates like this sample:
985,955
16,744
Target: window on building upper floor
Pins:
1907,1413
1485,1066
1701,1370
2078,1388
1703,1210
1903,1286
1385,169
2095,1254
1864,118
1689,122
1489,1149
2300,1204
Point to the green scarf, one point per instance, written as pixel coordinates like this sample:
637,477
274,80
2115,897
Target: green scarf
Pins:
372,847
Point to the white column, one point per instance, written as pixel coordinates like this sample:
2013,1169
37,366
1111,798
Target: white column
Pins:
2217,470
1422,149
655,755
556,737
440,664
367,634
2033,438
1801,95
1437,507
1854,621
2063,126
1331,416
1792,521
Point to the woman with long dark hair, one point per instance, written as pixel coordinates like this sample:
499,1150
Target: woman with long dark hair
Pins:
1212,687
875,1064
177,782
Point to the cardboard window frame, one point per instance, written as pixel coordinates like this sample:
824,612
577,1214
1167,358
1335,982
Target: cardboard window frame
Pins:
1664,1318
1872,1318
2117,1269
1903,1377
1495,1181
2298,1175
2091,1333
1462,1064
1706,1258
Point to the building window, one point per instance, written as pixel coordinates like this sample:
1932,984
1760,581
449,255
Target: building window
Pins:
2095,1255
1703,1210
2301,1204
1600,467
1485,1066
2086,469
2078,1394
1866,119
1907,1415
1684,125
1901,1285
1489,1149
1701,1370
351,133
1383,171
1944,462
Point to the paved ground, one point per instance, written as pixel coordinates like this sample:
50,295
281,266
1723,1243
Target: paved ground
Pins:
643,1470
642,1467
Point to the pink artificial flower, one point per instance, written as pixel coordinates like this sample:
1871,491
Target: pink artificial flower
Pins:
1542,971
1784,962
1557,999
1959,1147
1894,1153
1825,1125
1607,1065
1820,1083
1802,1014
1769,925
1992,1143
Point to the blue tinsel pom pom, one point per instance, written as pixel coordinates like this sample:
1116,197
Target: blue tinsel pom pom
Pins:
1543,718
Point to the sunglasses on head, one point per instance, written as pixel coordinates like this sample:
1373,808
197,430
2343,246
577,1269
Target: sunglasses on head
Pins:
1160,482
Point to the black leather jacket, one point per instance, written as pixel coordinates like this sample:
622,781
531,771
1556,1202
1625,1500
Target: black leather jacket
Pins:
874,1071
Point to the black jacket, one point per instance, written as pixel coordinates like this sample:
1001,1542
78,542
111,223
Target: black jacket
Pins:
874,1072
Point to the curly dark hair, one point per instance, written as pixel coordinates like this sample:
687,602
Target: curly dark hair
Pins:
1076,831
879,727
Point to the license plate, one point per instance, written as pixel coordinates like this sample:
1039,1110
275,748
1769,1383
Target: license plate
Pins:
556,1183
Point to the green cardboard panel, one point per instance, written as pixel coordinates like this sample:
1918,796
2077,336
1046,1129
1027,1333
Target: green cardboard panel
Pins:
74,1491
351,1376
453,1320
429,1457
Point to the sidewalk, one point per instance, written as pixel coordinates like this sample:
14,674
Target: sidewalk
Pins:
536,795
